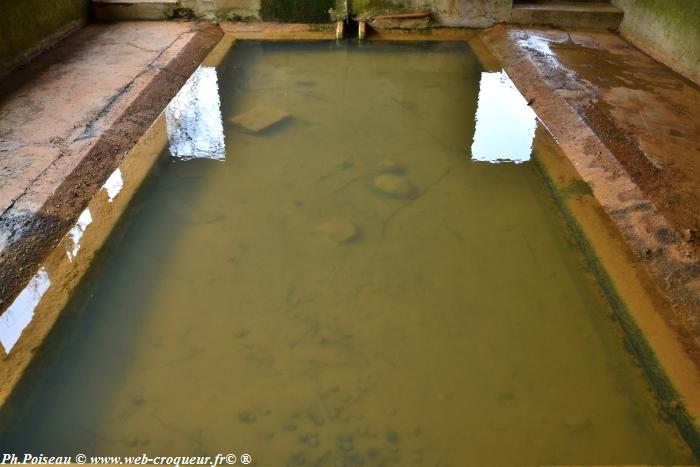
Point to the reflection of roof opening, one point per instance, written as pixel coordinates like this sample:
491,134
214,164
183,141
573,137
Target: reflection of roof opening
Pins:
76,233
18,316
193,117
505,124
114,185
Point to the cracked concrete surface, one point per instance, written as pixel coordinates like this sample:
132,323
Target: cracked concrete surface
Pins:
67,119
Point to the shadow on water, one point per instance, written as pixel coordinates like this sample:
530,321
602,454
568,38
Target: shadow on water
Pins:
99,316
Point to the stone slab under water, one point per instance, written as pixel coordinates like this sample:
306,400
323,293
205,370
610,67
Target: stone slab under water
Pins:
259,118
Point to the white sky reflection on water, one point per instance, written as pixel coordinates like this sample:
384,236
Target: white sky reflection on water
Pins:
193,118
76,233
20,313
505,124
114,185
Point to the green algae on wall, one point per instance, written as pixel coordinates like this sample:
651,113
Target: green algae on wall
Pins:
668,29
296,11
27,26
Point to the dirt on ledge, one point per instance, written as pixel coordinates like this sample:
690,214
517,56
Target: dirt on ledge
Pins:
49,204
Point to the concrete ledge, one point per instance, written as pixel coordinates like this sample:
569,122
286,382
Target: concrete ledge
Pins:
568,15
666,308
68,121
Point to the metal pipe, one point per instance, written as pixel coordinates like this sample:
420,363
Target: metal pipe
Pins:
419,14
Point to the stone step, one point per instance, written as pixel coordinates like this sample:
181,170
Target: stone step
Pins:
128,10
568,14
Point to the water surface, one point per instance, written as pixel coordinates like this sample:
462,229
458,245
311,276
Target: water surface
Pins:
349,287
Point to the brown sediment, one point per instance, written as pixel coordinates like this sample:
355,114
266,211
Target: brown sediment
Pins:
663,184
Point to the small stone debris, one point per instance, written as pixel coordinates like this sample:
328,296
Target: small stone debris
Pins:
247,417
394,185
391,167
259,118
688,234
576,426
346,164
306,83
241,333
340,231
310,439
654,161
345,442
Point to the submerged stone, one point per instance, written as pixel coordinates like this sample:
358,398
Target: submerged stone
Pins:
340,231
310,439
389,166
298,458
346,164
259,118
394,185
247,417
345,443
576,426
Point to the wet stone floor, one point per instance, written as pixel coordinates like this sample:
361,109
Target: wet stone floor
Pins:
346,257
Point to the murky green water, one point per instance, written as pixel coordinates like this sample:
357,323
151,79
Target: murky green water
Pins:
347,288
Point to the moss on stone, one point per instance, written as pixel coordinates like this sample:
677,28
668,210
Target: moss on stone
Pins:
670,402
297,11
669,27
234,14
27,25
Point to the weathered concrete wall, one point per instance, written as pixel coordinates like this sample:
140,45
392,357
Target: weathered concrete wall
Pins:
667,29
28,26
284,11
225,10
469,13
465,13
